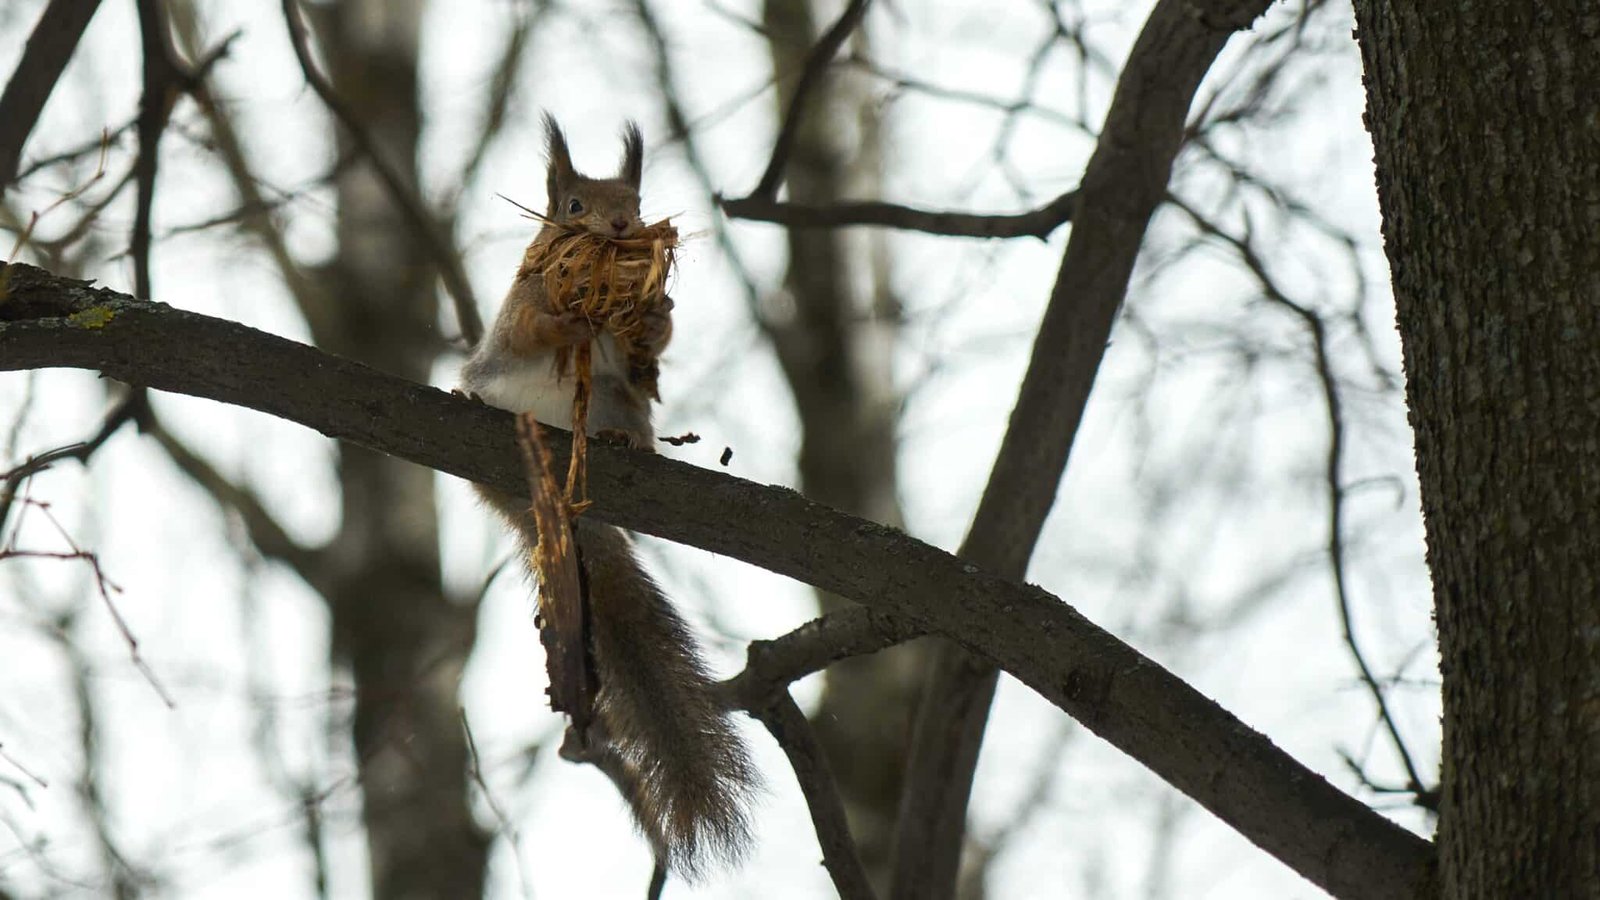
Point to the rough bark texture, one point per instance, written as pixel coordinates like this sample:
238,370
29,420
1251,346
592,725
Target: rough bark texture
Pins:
835,352
404,642
1488,154
1126,698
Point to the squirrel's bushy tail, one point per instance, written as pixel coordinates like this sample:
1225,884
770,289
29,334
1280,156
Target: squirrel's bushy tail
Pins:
659,731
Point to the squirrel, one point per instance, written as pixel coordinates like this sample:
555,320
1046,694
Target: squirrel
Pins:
658,730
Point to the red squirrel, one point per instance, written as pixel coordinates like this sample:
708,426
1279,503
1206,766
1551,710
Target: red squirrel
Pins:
659,731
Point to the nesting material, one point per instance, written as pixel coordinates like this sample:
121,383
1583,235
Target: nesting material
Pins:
614,282
561,620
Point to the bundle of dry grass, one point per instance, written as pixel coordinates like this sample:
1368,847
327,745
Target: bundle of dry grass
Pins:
615,282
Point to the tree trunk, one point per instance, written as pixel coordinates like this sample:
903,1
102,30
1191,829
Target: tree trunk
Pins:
836,352
403,641
1488,156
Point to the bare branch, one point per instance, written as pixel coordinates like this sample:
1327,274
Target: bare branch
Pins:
771,666
513,837
269,537
793,733
133,407
501,88
1124,181
105,587
1034,223
161,81
1334,406
1121,695
225,142
164,80
821,55
26,772
420,220
125,878
44,58
71,154
681,129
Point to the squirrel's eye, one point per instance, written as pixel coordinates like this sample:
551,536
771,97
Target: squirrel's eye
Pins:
574,206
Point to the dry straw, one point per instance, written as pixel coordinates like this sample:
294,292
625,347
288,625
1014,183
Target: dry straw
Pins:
614,282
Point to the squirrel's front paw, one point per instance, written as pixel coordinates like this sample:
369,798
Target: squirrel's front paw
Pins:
470,395
656,327
572,328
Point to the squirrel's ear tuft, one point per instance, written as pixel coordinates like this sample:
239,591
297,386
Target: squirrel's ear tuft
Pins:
561,171
632,171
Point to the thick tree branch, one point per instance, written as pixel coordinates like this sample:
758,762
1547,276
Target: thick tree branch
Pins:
1034,223
44,58
1126,698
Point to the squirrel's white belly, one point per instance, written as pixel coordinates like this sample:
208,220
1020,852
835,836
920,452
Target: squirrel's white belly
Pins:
533,388
536,386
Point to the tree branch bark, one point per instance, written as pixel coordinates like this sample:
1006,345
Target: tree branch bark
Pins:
44,58
1126,698
1033,223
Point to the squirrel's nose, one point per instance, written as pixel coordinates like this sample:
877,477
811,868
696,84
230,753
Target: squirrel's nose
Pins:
620,225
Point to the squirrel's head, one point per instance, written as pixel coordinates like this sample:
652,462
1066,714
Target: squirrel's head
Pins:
603,206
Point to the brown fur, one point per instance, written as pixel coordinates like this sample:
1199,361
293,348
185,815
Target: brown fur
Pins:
658,731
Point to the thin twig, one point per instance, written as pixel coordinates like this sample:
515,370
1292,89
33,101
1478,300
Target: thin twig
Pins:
132,407
105,586
28,773
475,769
682,129
793,733
125,879
502,87
816,62
1333,463
104,138
421,221
1427,798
